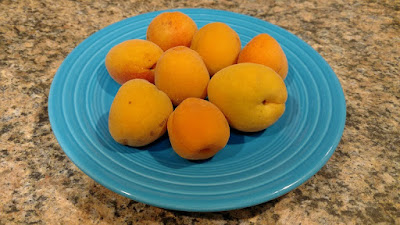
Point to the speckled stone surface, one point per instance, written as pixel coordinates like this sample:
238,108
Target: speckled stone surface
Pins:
359,184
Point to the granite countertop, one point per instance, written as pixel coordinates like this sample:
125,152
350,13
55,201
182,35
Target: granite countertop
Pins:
359,184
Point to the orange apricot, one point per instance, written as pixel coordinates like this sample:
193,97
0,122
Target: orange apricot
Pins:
133,59
170,29
251,96
218,45
139,113
181,73
197,129
264,49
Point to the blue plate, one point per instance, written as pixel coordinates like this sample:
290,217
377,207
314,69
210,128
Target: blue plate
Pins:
251,169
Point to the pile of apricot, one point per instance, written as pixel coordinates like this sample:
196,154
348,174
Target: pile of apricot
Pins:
179,66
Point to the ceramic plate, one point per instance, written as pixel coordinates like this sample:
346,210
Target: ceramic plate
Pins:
251,169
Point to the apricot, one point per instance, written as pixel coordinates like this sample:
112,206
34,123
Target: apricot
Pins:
171,29
264,49
139,113
133,59
181,73
197,129
251,96
218,45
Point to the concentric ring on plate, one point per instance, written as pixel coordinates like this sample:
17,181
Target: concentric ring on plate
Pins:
252,169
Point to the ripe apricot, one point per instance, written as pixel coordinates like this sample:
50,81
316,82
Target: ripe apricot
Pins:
251,96
170,29
133,59
181,74
197,129
264,49
218,45
139,113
